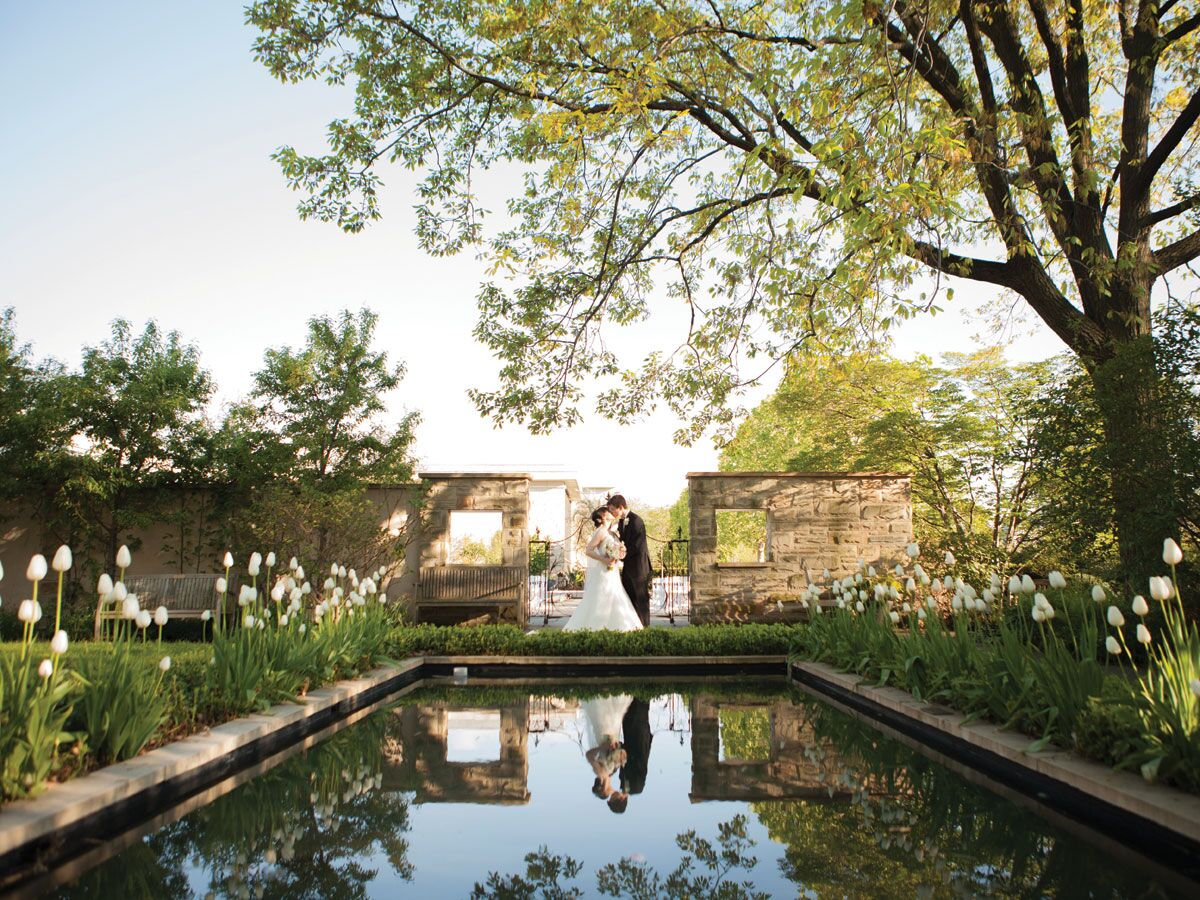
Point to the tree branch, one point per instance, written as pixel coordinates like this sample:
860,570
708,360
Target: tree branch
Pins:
1180,253
1158,156
1171,211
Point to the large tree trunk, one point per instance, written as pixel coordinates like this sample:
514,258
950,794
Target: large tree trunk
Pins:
1144,483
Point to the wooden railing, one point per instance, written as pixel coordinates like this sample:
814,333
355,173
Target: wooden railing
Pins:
459,583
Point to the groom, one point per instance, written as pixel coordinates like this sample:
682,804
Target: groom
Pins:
635,573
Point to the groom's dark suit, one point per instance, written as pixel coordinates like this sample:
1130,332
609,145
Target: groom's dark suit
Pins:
635,573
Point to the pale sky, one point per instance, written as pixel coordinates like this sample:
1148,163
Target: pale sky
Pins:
137,183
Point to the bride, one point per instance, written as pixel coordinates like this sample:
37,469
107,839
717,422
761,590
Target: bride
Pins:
605,603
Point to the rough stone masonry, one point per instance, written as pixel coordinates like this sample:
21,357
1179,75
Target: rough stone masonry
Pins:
814,521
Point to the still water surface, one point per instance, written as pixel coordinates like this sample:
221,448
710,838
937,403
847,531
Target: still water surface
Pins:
751,789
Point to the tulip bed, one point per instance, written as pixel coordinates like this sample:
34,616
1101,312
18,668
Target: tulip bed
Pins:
1030,663
66,709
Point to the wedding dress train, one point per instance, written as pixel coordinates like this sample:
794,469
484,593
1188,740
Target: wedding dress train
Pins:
605,605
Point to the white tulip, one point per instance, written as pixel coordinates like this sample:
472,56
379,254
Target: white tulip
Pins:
299,573
161,616
894,616
104,585
62,559
1161,588
950,560
1038,615
206,615
1140,606
120,592
381,571
931,603
260,624
283,620
858,606
129,607
948,583
899,570
1,572
303,628
921,614
1039,599
292,563
956,604
1014,585
58,644
862,595
45,668
144,618
905,608
164,663
918,570
383,598
25,611
333,570
124,557
870,571
1115,618
37,568
1143,634
988,596
1098,593
306,588
1027,585
1111,645
996,584
910,585
1057,581
270,560
858,577
222,585
1172,555
277,591
913,550
252,569
228,560
248,621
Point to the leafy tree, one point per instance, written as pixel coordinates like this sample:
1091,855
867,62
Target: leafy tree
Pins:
34,423
312,438
137,406
964,431
788,169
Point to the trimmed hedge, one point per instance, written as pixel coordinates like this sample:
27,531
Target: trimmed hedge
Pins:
508,640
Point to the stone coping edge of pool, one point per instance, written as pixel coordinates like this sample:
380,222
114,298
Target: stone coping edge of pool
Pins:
30,827
600,666
1161,821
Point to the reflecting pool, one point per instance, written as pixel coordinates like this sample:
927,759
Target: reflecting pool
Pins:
737,789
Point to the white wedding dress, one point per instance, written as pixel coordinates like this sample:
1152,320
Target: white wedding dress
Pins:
605,605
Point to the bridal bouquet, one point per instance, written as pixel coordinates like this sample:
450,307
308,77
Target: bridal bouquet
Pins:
612,549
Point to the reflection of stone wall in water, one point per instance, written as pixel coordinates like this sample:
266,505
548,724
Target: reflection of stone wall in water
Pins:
813,522
421,766
780,767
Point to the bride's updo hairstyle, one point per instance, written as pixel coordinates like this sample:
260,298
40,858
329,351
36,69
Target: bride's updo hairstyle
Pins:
598,515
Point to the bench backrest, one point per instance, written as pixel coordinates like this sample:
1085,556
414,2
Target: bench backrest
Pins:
178,593
465,583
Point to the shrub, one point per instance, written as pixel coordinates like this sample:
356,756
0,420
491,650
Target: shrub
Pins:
508,640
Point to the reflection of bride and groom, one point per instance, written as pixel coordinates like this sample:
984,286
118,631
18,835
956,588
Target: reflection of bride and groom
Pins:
618,737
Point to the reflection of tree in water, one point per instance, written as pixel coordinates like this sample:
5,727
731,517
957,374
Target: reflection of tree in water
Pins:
707,869
914,828
302,829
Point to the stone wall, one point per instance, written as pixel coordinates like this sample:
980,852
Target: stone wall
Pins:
815,521
430,547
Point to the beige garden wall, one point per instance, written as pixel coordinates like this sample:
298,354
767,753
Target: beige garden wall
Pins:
815,521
